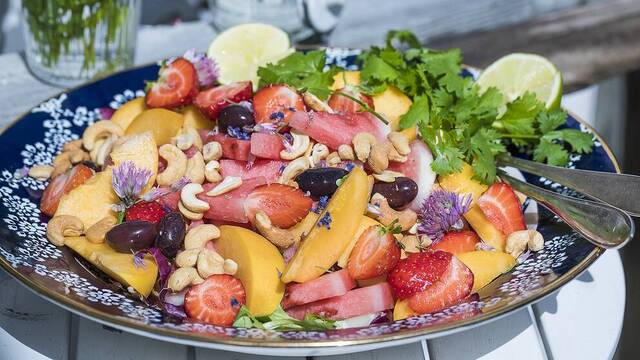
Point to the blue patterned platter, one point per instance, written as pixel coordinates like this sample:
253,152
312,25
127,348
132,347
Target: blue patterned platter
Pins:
61,277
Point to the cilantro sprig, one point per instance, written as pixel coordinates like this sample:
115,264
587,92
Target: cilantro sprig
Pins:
281,321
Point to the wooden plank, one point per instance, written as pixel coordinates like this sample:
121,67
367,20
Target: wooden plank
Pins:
97,342
413,351
31,320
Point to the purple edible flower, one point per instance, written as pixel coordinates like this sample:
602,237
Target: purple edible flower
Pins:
206,67
21,172
268,128
287,142
524,256
278,115
106,113
128,181
164,267
440,212
250,162
237,133
349,166
178,185
325,221
320,205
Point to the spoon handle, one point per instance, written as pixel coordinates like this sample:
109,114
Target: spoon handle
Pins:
619,190
603,225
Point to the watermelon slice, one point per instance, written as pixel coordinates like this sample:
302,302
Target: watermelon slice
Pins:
230,206
334,130
269,169
366,300
232,148
266,146
418,168
326,286
170,200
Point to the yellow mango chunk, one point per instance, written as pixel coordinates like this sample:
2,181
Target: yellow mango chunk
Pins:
117,265
91,201
345,77
486,266
462,183
140,149
323,247
365,223
259,264
163,124
304,227
128,111
193,118
402,310
393,103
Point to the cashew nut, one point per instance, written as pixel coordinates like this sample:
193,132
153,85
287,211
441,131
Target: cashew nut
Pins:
100,129
400,142
195,168
60,169
198,236
209,263
388,176
61,226
41,172
193,216
314,103
406,218
98,231
414,243
362,144
318,152
229,183
176,165
230,267
72,145
293,169
536,241
183,277
187,258
104,150
212,151
333,159
183,141
394,155
93,154
189,199
518,241
281,238
211,172
379,157
345,152
63,158
299,146
78,155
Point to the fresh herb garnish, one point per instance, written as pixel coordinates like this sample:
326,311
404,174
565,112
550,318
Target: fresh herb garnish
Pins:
392,228
281,321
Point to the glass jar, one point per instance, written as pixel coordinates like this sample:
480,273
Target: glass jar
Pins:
70,41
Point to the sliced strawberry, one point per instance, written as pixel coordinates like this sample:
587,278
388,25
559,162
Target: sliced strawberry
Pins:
417,272
216,301
454,285
326,286
374,254
147,211
276,103
233,148
457,242
177,85
501,207
266,146
230,205
343,104
269,169
211,101
61,185
284,205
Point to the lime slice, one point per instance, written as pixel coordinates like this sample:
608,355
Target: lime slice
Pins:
240,50
515,74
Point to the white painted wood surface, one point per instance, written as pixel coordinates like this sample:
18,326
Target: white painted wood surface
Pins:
571,324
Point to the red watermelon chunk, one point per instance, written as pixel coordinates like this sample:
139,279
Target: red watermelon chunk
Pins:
334,130
170,200
418,168
269,169
233,148
326,286
230,206
361,301
266,146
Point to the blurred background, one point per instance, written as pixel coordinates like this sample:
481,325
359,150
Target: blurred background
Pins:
595,44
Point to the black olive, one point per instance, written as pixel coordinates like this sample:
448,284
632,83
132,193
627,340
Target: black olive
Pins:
132,236
235,116
398,193
171,232
320,181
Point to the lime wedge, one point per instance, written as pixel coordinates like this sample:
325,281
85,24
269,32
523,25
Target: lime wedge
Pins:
240,50
517,73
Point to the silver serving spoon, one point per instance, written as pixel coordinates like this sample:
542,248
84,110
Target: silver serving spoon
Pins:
602,224
619,190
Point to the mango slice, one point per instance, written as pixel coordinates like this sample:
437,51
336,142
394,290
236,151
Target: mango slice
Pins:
259,266
128,111
194,118
486,266
462,183
142,150
117,265
163,124
393,103
323,247
402,310
345,77
91,201
365,223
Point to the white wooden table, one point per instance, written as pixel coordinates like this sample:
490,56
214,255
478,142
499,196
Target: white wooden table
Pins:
583,320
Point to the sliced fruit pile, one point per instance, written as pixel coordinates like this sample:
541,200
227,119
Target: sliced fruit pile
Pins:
249,204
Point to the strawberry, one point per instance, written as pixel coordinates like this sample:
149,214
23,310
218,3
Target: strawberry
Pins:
61,185
216,301
211,101
276,103
146,211
454,286
284,205
457,242
374,254
342,104
417,272
177,85
502,208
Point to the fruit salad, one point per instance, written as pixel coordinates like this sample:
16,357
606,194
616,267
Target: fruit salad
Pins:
300,195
